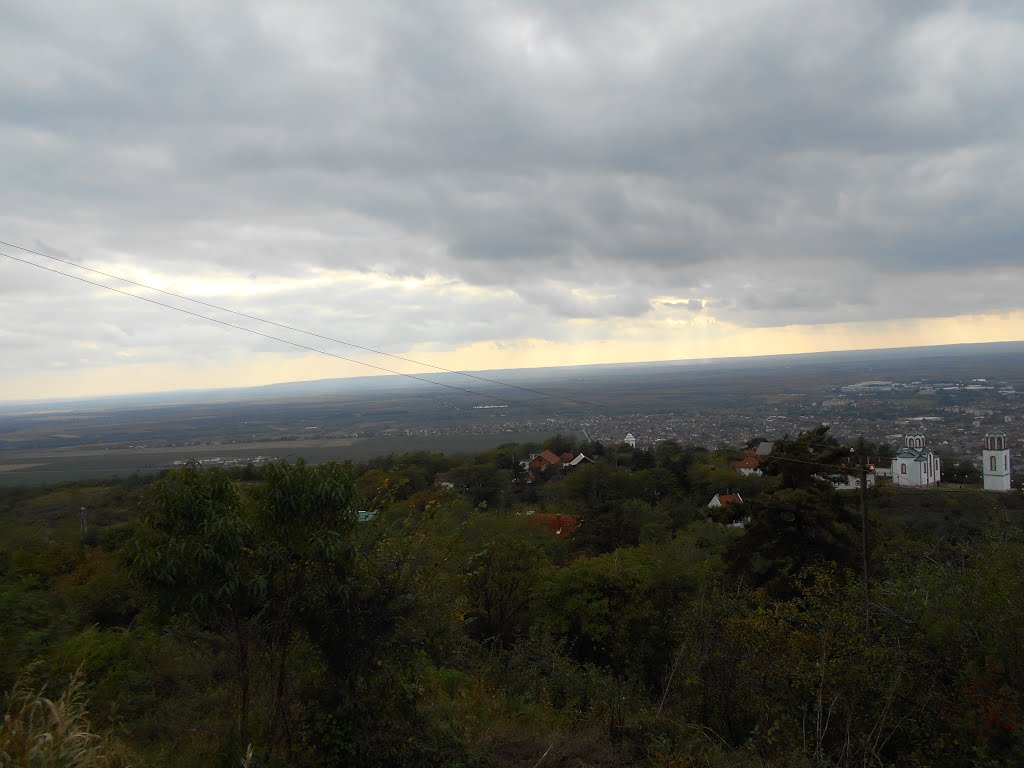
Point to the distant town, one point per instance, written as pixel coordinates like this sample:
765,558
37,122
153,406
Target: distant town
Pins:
953,397
955,416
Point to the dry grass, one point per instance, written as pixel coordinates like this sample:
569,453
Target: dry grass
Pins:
38,731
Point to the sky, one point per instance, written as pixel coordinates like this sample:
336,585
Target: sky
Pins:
502,184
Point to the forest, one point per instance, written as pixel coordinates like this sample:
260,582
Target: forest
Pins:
423,610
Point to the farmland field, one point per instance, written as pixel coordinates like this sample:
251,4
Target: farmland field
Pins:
27,468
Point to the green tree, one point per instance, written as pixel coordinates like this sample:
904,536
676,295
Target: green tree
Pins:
788,531
802,460
306,519
499,584
195,555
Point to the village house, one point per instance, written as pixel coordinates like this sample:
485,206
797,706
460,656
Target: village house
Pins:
724,499
561,526
881,466
541,462
748,465
850,482
544,460
580,459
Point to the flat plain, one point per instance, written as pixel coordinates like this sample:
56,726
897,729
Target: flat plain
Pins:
705,402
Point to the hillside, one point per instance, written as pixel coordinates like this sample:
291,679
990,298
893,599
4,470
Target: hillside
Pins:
495,614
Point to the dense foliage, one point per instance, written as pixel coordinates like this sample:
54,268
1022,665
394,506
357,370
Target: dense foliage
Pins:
255,617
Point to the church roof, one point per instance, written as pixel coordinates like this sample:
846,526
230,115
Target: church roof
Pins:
917,454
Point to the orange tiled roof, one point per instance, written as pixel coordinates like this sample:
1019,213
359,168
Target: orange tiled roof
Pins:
545,459
562,526
748,462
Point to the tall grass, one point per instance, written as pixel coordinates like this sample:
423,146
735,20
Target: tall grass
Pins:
38,731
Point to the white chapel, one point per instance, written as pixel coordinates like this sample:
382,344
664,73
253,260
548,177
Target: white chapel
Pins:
916,465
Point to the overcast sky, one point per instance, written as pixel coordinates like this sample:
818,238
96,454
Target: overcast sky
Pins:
491,184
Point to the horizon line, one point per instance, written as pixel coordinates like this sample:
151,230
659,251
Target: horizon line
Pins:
439,374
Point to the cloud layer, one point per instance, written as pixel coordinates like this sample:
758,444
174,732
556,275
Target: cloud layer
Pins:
439,174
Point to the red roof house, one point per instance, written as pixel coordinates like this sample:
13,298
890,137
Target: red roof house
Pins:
545,459
722,499
748,465
562,526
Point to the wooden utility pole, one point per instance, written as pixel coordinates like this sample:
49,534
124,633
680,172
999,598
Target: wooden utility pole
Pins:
864,534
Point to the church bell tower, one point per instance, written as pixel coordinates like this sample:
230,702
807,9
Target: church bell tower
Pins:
996,461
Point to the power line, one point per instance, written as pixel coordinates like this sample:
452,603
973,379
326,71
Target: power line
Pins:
284,326
260,333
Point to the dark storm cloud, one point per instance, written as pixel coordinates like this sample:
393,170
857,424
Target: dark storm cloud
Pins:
767,164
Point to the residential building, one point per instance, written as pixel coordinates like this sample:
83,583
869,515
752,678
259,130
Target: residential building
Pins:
748,465
544,460
881,465
852,482
724,499
562,526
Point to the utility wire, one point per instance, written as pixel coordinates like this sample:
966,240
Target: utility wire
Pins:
288,327
260,333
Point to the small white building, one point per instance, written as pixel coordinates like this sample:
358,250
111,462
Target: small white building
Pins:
916,466
630,440
995,461
881,466
852,482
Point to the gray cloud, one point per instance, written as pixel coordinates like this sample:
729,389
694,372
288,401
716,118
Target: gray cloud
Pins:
773,165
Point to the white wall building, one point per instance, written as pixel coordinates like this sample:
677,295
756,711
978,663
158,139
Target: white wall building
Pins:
915,466
852,482
881,466
630,440
995,461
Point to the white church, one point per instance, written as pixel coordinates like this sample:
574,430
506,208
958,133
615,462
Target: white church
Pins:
995,461
916,466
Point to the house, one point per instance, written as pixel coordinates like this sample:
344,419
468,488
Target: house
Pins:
581,459
847,480
852,482
630,440
916,466
562,526
723,499
543,460
881,465
748,465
